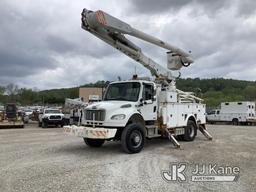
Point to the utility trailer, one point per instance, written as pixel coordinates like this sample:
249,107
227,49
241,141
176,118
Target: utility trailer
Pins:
73,110
241,112
136,109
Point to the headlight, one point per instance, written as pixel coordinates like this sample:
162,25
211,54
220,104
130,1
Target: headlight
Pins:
118,117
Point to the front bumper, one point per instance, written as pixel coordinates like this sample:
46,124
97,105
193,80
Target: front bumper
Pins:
90,132
53,121
251,120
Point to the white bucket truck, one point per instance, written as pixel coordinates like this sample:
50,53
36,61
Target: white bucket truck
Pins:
137,109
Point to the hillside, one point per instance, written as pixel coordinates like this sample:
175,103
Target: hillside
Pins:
217,90
213,91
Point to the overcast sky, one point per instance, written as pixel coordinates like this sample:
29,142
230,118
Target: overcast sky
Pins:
42,44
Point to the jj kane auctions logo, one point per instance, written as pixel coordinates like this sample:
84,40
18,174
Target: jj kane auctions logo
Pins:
201,173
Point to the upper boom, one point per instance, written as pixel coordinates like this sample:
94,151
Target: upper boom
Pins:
112,31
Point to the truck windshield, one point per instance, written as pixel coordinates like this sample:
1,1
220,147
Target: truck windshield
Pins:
123,91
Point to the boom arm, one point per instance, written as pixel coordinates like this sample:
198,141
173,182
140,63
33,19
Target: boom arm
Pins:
112,31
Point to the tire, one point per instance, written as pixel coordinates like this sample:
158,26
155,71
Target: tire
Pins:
190,131
44,125
235,121
39,124
133,138
62,123
94,142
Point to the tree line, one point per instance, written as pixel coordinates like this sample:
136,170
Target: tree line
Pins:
213,91
24,96
217,90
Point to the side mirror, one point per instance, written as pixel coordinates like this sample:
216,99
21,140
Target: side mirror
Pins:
141,102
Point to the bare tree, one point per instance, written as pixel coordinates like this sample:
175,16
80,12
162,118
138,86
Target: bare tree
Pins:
11,89
2,90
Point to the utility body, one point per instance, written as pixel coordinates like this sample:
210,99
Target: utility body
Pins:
136,109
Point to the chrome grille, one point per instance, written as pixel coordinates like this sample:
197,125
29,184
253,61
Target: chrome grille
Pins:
99,115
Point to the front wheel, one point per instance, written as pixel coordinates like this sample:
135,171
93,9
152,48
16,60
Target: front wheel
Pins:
133,138
94,142
44,125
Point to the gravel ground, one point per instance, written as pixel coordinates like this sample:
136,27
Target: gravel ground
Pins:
36,159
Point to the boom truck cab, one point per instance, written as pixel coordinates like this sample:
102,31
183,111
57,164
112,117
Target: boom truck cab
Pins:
134,110
124,102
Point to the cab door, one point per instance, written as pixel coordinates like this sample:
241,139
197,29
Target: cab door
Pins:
148,103
216,116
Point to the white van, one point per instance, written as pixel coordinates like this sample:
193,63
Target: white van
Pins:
235,112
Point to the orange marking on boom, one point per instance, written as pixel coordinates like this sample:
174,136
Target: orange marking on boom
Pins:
100,17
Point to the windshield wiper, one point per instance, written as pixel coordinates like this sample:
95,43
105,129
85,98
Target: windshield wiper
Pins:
119,98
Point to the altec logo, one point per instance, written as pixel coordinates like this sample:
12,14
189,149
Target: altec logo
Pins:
201,173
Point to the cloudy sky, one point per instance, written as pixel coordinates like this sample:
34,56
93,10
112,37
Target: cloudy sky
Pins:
42,44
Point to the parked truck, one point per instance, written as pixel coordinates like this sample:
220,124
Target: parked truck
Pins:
136,109
233,112
50,116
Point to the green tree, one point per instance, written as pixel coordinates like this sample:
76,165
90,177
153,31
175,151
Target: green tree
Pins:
250,92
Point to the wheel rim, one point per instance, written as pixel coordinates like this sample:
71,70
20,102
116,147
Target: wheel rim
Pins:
135,139
191,131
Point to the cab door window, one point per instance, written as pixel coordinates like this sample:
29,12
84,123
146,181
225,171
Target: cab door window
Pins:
148,92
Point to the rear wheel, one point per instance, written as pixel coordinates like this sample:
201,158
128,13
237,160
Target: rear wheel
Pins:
190,131
133,138
235,121
39,124
94,142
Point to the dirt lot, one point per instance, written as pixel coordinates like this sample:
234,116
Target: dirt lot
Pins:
36,159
